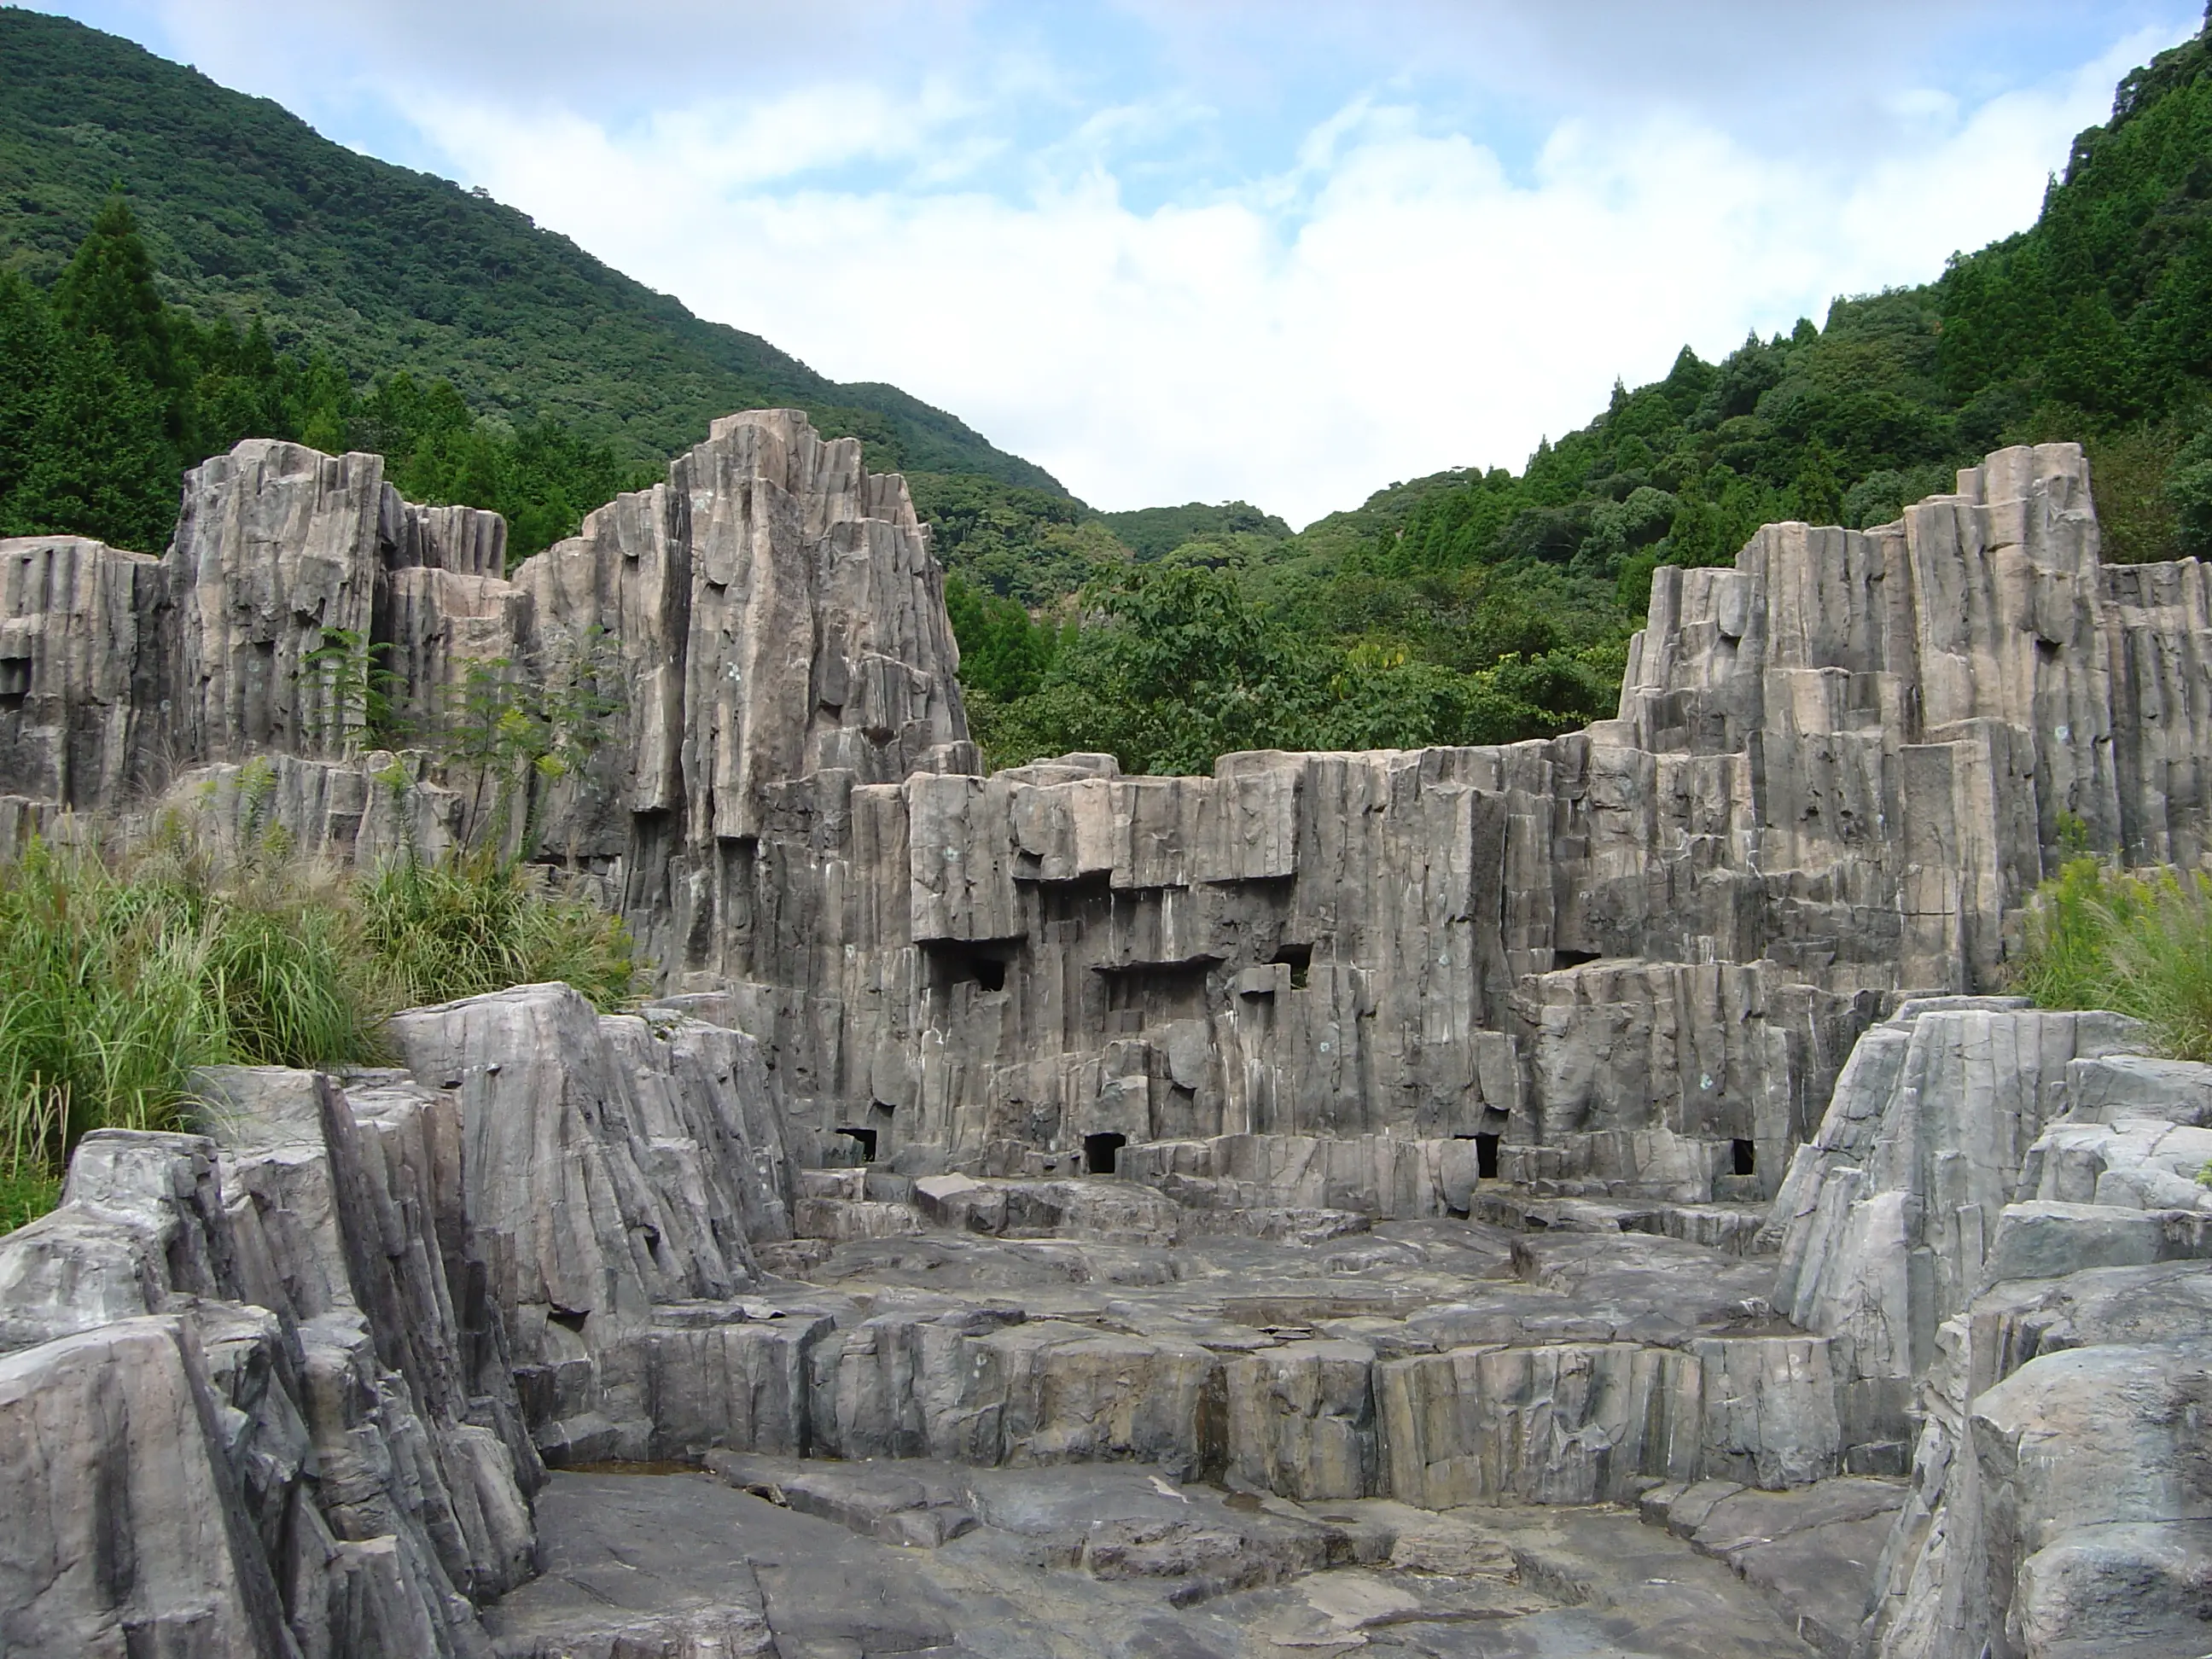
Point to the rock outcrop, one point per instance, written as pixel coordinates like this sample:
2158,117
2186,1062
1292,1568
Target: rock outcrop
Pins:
244,1411
1628,963
282,1387
2000,1230
1620,1118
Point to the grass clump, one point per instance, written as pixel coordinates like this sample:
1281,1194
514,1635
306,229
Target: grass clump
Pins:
463,927
119,979
118,983
2099,937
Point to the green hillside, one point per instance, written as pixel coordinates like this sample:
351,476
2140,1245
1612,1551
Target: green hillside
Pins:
249,213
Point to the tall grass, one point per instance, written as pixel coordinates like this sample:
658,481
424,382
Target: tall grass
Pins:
2099,938
119,979
462,927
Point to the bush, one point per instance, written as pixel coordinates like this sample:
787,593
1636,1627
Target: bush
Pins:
2102,938
119,980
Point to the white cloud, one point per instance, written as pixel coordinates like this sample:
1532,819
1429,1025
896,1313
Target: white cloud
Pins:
945,195
1392,303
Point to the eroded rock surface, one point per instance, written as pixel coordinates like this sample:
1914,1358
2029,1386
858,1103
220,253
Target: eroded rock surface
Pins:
1299,1209
1995,1227
1626,965
807,1558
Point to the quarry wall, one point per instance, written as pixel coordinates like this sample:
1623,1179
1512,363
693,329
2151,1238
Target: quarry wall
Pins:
1626,962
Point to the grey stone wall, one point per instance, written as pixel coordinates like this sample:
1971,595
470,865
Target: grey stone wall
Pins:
1635,956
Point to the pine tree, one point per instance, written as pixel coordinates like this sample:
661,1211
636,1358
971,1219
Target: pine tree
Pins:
108,290
1818,495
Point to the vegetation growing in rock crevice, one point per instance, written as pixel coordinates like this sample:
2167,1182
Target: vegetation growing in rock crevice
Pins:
119,976
2100,938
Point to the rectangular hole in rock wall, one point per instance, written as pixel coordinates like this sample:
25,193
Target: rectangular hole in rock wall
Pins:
980,962
14,681
260,699
1571,958
1298,958
740,858
1485,1155
1100,1151
1083,898
1154,994
1746,1157
864,1144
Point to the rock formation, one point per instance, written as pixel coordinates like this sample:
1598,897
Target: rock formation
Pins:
1379,1139
1628,963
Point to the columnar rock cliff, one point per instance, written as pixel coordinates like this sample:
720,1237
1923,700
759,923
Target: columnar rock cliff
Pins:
1635,956
1622,1118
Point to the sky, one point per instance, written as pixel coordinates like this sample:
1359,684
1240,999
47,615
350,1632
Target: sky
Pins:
1286,252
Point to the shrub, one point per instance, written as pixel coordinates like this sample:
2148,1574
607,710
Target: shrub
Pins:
2102,938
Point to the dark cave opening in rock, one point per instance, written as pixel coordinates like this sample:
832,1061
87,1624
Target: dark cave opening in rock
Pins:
1298,958
1100,1152
1745,1156
953,964
865,1140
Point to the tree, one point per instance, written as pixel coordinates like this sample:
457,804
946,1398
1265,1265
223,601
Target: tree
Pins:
1817,495
108,291
83,449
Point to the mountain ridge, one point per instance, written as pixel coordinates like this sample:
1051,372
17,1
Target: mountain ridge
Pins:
251,213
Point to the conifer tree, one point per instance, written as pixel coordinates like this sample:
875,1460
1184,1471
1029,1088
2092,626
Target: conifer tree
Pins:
108,290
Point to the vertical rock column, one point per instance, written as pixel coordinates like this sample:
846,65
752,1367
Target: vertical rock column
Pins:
276,545
82,702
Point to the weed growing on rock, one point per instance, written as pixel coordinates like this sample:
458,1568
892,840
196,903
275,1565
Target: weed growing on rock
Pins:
120,982
2099,937
466,925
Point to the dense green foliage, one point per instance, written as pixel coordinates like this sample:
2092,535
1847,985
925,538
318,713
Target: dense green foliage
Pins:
1022,543
117,980
107,394
1153,533
2101,939
250,214
1178,663
462,927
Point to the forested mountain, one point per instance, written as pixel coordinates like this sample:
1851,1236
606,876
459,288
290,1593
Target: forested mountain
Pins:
1476,606
250,215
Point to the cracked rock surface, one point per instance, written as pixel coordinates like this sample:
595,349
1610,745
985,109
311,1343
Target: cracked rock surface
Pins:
1099,1561
1570,1197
